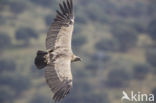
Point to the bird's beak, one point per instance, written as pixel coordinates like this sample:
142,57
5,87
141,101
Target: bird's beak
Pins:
79,59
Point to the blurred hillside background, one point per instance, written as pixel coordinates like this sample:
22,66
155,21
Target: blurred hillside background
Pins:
115,38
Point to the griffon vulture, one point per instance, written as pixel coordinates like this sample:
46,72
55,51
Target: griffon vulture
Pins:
57,58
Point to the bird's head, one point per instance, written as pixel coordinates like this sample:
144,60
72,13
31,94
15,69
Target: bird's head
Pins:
76,58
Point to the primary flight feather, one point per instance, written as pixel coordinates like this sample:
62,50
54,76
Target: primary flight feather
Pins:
56,60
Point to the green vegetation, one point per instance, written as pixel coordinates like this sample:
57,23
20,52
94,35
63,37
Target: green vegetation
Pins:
140,71
7,65
117,78
5,41
125,35
25,34
115,38
152,29
150,55
106,45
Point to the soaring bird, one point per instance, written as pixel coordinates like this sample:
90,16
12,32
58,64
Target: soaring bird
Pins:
58,56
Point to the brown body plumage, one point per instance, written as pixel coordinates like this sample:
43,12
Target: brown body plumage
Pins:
57,59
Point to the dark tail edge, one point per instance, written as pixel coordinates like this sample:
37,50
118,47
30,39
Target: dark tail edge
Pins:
40,59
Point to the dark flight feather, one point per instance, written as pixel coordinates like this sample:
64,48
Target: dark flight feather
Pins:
62,92
65,12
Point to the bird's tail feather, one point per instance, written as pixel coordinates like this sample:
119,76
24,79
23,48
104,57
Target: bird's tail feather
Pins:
41,59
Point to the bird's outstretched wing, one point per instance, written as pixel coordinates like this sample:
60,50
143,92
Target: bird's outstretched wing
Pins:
58,71
59,78
60,31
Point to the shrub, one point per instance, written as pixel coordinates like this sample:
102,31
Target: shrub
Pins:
117,78
5,40
106,45
42,2
14,6
2,20
25,34
45,3
139,27
18,83
125,35
100,56
92,66
150,57
152,29
83,93
7,95
7,66
127,11
17,7
140,71
39,99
